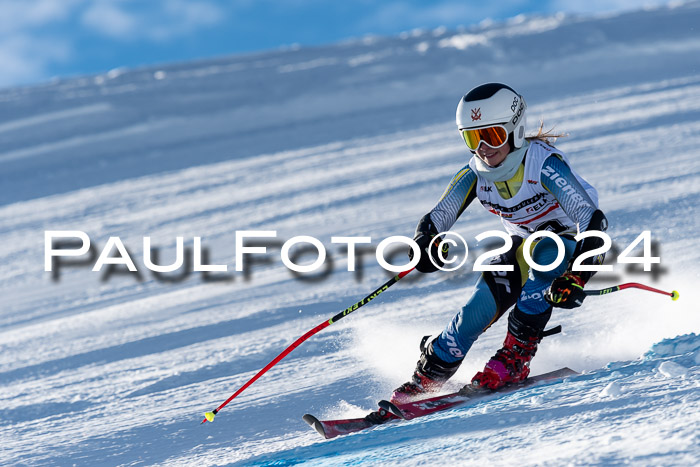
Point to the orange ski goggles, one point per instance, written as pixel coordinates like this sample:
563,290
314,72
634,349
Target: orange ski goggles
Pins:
495,136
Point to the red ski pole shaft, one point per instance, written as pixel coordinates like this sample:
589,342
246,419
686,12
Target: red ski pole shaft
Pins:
632,285
209,416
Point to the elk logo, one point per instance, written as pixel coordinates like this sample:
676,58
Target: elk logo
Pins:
476,114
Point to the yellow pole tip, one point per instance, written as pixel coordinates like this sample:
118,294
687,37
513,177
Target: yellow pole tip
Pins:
210,415
674,295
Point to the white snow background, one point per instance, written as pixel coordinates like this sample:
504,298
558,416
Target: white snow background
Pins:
352,139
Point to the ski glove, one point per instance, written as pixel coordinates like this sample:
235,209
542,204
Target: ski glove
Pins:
566,291
428,245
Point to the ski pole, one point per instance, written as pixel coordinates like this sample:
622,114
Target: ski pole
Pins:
631,285
209,416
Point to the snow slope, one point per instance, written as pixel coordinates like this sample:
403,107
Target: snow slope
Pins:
346,140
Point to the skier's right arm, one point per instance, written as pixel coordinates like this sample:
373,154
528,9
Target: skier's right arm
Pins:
457,196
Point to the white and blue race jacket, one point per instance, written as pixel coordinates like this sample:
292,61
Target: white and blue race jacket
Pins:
545,194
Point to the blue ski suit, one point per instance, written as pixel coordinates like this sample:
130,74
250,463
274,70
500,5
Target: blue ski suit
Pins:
545,194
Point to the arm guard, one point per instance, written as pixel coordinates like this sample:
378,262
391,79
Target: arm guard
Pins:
426,227
424,237
598,222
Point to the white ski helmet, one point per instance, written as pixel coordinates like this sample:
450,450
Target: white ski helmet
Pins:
490,109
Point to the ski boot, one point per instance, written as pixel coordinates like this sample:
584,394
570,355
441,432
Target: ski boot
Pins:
429,376
511,364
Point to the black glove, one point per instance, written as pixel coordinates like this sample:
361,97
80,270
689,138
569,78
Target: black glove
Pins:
428,244
566,291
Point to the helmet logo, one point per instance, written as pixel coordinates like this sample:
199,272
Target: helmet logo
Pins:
518,114
515,104
476,114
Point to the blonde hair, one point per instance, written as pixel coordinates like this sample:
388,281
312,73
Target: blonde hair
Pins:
548,137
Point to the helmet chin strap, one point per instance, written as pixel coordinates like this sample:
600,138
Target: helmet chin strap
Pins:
506,169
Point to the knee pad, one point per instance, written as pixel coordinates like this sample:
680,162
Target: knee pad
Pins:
505,286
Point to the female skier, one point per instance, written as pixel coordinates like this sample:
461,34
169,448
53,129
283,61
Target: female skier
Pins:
531,186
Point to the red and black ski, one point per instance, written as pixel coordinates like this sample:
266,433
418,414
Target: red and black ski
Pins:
468,393
332,428
389,412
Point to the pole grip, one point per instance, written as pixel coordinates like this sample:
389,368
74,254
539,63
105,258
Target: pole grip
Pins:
632,285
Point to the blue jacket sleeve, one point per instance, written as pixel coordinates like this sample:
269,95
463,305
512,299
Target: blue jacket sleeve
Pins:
571,195
457,196
578,206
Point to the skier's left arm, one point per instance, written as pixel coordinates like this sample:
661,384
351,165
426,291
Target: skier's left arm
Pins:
566,291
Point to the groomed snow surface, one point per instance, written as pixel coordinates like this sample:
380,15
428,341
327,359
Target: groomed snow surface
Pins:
354,139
